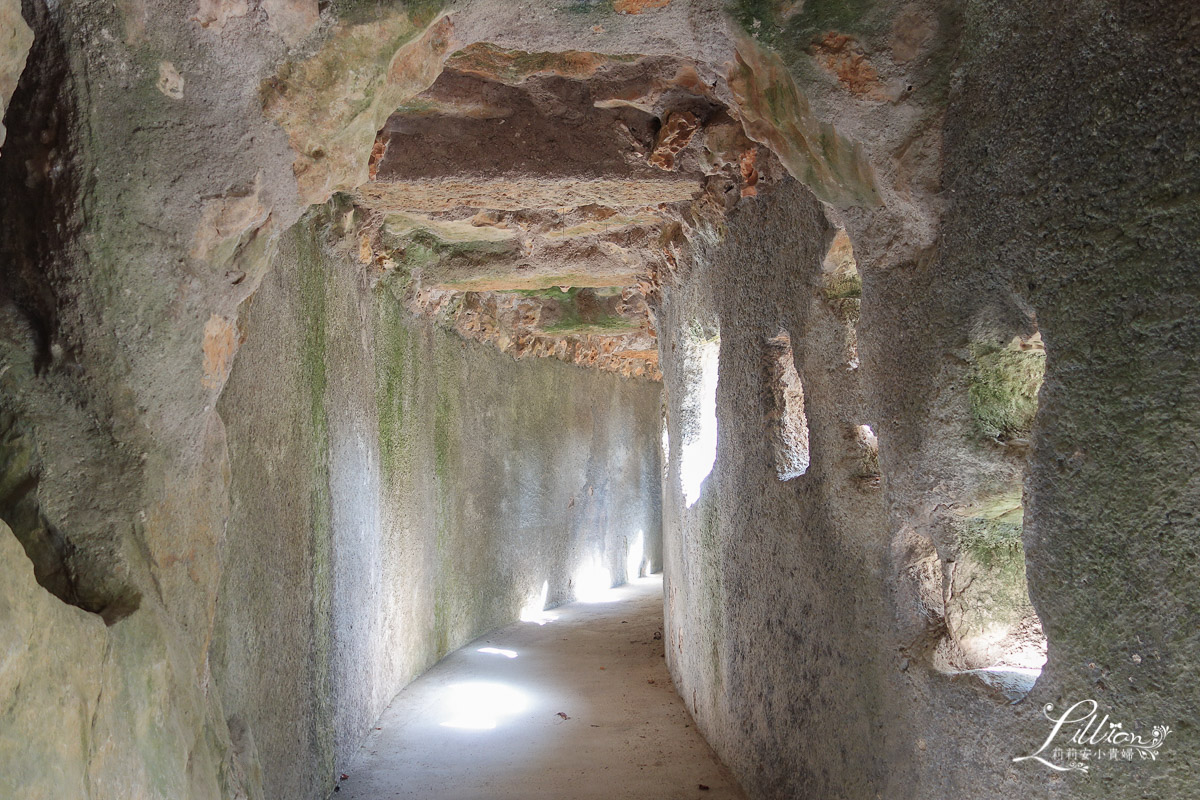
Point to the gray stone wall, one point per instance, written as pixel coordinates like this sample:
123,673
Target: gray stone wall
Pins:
817,627
396,492
775,609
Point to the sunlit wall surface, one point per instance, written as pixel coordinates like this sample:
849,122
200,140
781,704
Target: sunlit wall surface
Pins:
699,450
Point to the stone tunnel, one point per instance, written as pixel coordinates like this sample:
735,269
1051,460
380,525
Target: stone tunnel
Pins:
861,337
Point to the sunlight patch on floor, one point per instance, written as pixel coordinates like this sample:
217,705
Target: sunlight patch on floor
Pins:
480,705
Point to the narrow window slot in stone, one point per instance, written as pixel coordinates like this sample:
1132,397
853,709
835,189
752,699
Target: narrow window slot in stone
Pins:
786,420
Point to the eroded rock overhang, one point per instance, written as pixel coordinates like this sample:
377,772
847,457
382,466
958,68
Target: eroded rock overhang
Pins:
536,201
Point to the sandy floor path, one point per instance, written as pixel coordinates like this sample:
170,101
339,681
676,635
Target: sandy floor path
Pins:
580,706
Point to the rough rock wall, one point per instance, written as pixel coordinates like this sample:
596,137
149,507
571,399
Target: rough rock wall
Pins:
15,40
773,629
1031,167
1077,183
1025,159
47,669
144,190
117,490
397,491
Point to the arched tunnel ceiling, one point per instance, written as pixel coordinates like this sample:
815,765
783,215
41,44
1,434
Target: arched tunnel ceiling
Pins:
534,201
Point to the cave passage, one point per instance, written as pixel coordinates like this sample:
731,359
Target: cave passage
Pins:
574,702
352,352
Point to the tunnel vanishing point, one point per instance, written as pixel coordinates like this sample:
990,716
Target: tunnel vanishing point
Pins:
335,334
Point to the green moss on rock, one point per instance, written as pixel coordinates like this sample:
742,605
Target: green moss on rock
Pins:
991,539
1003,389
790,26
390,375
314,311
991,529
606,324
843,286
421,12
442,259
551,293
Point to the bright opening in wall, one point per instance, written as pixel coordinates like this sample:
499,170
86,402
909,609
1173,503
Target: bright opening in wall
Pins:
534,609
988,612
787,422
843,291
637,563
992,630
592,582
666,447
699,420
867,436
867,444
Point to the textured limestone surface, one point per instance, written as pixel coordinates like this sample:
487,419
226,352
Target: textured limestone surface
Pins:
396,491
561,171
16,38
1008,242
1101,238
50,669
148,174
781,668
975,222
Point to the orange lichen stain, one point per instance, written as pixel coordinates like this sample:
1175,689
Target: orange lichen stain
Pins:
378,151
686,77
674,135
843,57
220,344
776,113
638,6
749,172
